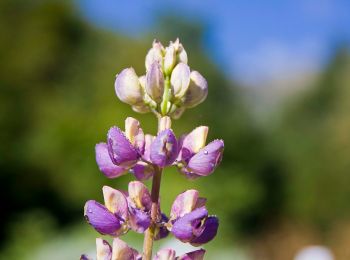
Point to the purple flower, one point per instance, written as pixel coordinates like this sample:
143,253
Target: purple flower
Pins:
190,221
195,159
108,219
122,251
170,254
122,150
164,148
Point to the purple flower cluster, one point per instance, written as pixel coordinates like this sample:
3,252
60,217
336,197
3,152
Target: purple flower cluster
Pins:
167,89
121,250
139,154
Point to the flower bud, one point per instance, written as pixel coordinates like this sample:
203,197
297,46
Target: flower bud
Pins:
155,54
197,90
180,80
128,88
169,59
155,82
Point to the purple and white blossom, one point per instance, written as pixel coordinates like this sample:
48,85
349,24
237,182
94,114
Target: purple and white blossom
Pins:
189,219
195,159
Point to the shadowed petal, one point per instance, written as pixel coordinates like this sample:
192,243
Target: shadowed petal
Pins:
121,151
121,251
194,255
142,171
184,203
139,220
205,161
98,216
85,257
189,226
103,250
105,164
210,228
139,195
161,230
165,254
116,202
164,148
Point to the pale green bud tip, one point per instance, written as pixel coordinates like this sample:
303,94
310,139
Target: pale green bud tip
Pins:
197,90
128,88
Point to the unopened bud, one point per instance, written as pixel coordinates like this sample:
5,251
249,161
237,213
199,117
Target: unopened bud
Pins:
180,80
155,54
155,82
197,90
128,88
169,59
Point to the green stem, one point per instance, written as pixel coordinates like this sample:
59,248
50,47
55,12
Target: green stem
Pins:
166,96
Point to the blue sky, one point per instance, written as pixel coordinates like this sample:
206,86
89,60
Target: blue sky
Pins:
253,40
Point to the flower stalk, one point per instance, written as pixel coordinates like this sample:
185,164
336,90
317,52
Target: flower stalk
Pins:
168,89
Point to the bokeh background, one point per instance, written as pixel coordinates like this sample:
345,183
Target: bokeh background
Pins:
279,95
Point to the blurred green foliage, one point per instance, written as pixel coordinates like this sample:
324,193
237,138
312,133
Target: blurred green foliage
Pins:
57,101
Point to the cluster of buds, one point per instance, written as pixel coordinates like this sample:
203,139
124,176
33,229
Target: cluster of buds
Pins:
167,89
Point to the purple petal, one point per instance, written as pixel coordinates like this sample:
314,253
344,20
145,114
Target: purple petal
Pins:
134,133
98,216
194,255
121,251
103,249
139,220
210,225
184,203
165,254
164,148
116,202
85,257
139,195
105,164
120,149
189,226
142,171
205,161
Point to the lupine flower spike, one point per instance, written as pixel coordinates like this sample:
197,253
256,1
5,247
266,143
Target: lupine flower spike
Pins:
167,89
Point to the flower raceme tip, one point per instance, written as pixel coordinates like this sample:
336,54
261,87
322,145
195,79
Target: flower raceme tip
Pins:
168,86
